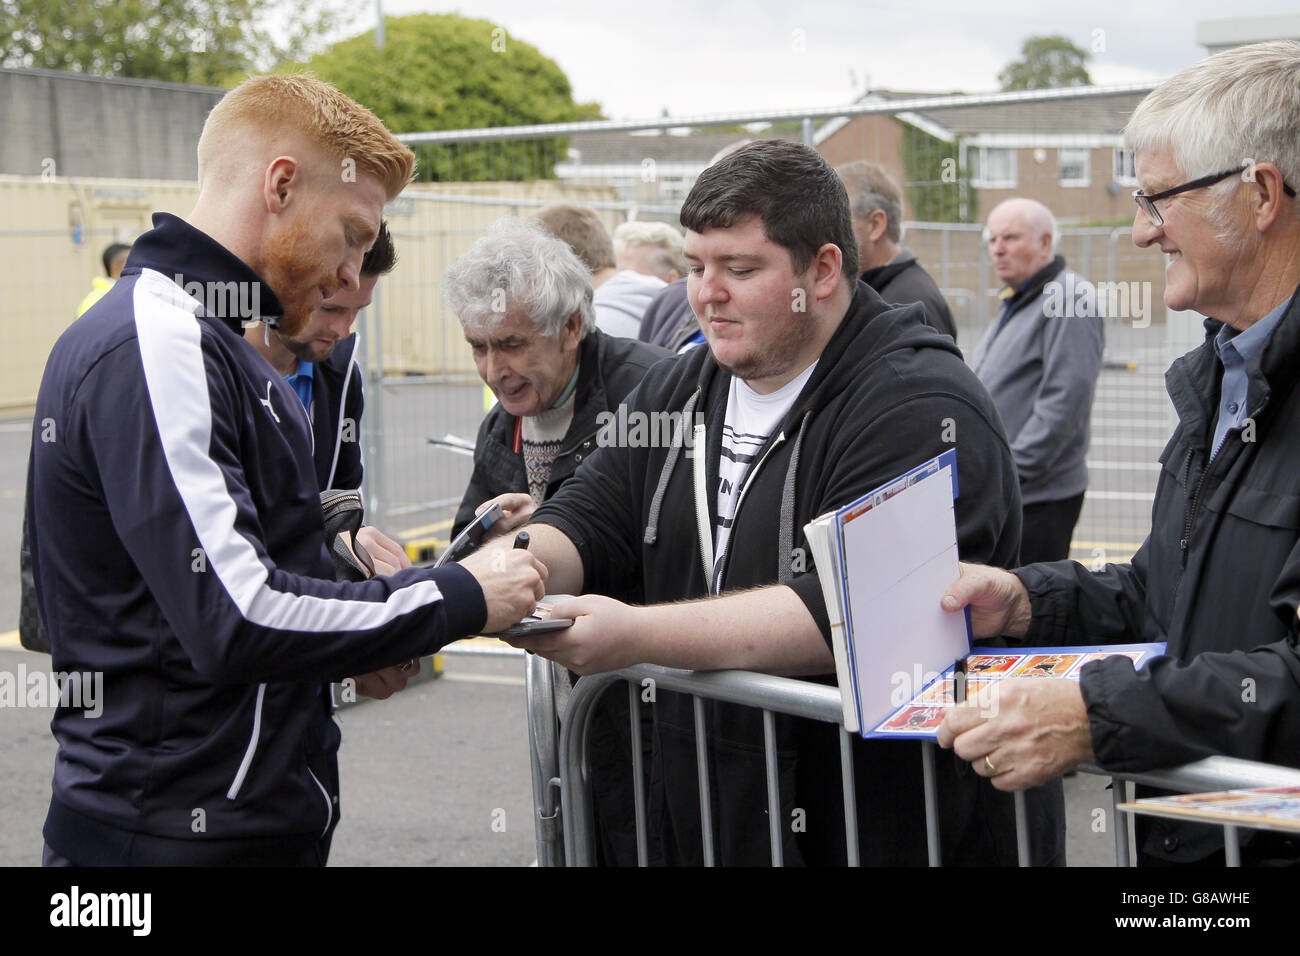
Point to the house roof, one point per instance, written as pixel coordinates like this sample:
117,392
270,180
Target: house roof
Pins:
630,149
1105,114
1097,114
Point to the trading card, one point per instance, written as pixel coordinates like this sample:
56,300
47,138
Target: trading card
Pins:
1045,665
1281,791
859,511
1208,799
922,474
915,720
1135,656
1266,808
989,665
940,692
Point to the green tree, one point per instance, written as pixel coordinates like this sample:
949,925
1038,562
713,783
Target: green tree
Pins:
212,42
1045,62
441,72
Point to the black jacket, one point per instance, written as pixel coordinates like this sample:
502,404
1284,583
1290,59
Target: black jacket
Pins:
179,551
1218,578
669,320
337,405
883,398
609,368
903,282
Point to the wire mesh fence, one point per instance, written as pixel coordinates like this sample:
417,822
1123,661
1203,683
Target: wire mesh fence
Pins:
955,156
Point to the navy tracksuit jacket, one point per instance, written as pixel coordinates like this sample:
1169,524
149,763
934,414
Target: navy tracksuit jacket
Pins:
178,548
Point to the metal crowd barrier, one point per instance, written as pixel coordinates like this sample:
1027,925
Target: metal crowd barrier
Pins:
558,738
544,707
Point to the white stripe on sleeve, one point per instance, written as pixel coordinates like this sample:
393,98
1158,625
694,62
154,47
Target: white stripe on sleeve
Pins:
170,348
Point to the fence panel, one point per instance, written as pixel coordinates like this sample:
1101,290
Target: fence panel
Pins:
956,156
779,695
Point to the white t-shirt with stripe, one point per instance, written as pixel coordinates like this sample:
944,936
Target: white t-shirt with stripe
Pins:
750,421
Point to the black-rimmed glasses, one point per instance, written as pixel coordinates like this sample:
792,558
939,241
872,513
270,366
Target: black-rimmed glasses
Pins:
1148,203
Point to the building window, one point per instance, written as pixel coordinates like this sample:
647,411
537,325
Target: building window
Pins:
1125,173
675,188
1076,167
991,167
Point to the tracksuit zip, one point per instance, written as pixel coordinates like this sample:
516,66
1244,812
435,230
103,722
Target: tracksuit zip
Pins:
329,806
247,762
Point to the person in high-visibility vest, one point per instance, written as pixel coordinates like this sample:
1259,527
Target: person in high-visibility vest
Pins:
114,259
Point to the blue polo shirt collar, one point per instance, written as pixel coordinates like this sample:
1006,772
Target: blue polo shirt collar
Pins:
302,381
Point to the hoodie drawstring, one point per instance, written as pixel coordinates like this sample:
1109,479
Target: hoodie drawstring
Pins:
785,539
666,473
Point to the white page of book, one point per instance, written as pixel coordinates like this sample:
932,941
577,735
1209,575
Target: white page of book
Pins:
899,558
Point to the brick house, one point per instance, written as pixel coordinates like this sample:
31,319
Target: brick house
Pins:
1069,155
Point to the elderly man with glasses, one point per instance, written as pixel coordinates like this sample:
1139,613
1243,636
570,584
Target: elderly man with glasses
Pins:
1218,577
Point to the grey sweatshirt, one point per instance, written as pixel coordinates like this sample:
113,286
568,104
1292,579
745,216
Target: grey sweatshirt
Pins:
1041,368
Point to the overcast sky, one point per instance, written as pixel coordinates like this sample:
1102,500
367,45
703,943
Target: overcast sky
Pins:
730,56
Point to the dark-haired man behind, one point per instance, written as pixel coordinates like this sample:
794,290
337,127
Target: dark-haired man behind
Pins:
812,391
320,364
889,268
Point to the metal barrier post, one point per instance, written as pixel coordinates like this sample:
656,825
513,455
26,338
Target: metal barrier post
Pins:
1118,795
774,821
575,795
1231,848
850,797
931,804
539,688
702,768
1022,830
638,775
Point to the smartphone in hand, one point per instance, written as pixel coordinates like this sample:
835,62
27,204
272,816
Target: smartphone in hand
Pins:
471,537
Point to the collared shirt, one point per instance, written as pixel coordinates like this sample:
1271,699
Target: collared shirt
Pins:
1014,299
1236,349
302,382
570,388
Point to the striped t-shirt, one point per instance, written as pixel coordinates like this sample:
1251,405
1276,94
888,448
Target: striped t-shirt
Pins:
750,421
